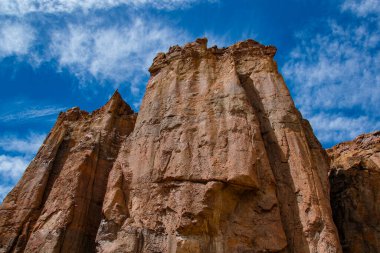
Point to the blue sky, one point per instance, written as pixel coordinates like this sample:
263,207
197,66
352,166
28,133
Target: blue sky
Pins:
57,54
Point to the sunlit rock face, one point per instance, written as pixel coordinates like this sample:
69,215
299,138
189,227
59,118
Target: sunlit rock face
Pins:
56,206
218,160
355,192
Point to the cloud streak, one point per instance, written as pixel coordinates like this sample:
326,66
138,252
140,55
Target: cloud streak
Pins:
21,7
31,113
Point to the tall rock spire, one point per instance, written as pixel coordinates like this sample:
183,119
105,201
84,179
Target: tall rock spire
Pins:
220,161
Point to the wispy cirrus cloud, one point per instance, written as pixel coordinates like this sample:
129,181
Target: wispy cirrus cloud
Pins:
335,75
20,7
34,112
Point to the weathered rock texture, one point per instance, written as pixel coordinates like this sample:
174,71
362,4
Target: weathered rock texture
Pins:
56,206
355,192
219,161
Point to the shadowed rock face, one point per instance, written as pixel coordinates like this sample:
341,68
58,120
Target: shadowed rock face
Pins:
355,192
219,161
56,206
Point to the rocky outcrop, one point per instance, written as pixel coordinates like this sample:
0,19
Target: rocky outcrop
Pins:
219,161
355,192
57,205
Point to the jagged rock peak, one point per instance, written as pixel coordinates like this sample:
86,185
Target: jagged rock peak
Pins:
362,152
56,206
115,104
199,47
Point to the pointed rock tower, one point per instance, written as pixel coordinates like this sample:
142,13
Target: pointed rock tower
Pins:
219,161
56,206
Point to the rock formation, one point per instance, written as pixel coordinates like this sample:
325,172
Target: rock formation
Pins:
355,193
56,206
219,161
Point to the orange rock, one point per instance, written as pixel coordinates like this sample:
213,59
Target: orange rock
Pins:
355,192
219,161
56,206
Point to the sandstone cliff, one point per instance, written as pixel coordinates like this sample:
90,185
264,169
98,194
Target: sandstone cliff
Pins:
56,206
219,160
355,192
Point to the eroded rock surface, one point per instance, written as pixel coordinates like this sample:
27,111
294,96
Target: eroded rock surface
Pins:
220,160
355,192
56,206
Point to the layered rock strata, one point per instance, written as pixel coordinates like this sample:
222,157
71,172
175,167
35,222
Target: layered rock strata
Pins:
57,204
355,192
219,160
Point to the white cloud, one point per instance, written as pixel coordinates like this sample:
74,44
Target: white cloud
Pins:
11,170
12,167
336,74
20,7
339,70
28,145
95,51
117,53
4,190
334,128
16,38
362,7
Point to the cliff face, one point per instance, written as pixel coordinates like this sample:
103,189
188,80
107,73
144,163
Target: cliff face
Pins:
355,192
57,205
219,160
